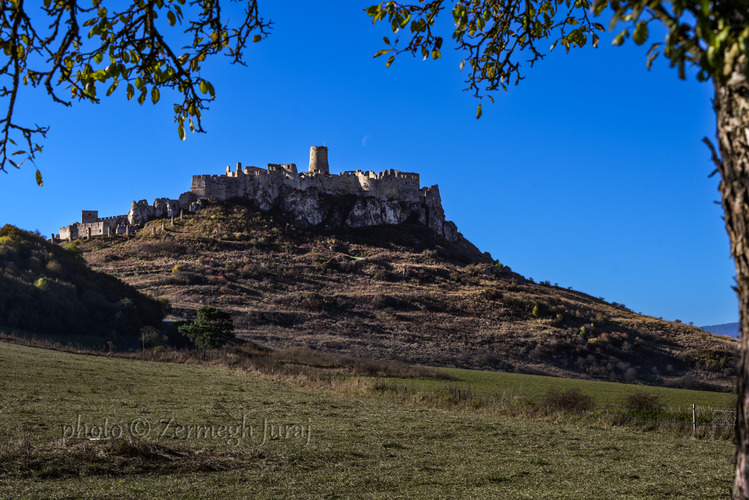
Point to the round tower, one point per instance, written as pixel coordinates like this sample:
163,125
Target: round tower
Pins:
318,160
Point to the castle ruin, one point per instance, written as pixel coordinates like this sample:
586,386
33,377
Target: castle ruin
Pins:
312,199
93,225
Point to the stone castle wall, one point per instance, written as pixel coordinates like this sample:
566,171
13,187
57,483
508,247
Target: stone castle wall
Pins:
310,199
93,225
253,182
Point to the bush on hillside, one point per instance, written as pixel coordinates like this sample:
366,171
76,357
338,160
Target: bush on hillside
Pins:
572,399
643,403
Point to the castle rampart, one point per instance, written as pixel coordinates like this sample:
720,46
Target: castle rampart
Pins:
254,181
387,197
92,225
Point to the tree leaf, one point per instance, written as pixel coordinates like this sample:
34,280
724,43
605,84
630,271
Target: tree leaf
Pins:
112,88
640,35
478,112
620,38
39,180
155,95
181,132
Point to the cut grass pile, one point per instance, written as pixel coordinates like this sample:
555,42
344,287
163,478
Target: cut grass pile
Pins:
358,446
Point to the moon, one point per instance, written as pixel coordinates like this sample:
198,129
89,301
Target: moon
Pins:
364,140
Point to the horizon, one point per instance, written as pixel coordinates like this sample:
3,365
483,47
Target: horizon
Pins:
590,174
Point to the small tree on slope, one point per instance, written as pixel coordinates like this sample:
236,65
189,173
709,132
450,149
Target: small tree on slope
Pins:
212,329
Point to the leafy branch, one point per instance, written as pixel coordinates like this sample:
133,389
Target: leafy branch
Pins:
495,36
82,47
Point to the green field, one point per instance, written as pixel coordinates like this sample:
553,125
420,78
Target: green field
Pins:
484,383
358,445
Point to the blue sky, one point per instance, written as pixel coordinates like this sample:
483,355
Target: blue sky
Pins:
590,174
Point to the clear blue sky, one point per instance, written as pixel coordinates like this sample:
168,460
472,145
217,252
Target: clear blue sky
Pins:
590,174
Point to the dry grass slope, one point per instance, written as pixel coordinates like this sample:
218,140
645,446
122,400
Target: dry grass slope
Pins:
401,293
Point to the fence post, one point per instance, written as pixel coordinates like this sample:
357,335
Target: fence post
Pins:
694,419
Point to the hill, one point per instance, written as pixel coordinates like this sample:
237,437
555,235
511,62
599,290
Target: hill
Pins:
48,290
400,292
729,329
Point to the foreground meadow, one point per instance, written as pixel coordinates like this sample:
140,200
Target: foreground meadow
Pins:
330,444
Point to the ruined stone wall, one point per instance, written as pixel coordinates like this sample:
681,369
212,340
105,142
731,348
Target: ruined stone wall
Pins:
98,226
141,211
66,233
389,197
310,199
255,182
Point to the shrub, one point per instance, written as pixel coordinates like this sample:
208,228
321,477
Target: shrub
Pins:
150,337
572,399
493,293
74,249
312,301
643,403
166,306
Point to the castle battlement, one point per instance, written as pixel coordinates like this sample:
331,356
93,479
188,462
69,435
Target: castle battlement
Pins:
389,184
92,225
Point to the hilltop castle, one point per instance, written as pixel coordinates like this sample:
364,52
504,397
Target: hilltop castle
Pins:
312,199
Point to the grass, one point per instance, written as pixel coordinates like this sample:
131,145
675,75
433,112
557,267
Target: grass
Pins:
359,445
485,383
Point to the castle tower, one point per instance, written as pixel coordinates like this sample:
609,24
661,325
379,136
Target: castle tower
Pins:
89,216
318,160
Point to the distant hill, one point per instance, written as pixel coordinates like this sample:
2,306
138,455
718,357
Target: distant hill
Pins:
48,290
729,329
400,292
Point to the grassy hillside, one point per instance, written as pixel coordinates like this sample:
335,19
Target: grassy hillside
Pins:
399,292
515,384
358,446
49,291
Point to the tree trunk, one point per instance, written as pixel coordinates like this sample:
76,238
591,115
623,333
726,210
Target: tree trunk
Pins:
732,112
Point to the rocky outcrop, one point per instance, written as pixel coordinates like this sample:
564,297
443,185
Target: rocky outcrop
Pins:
311,208
141,212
